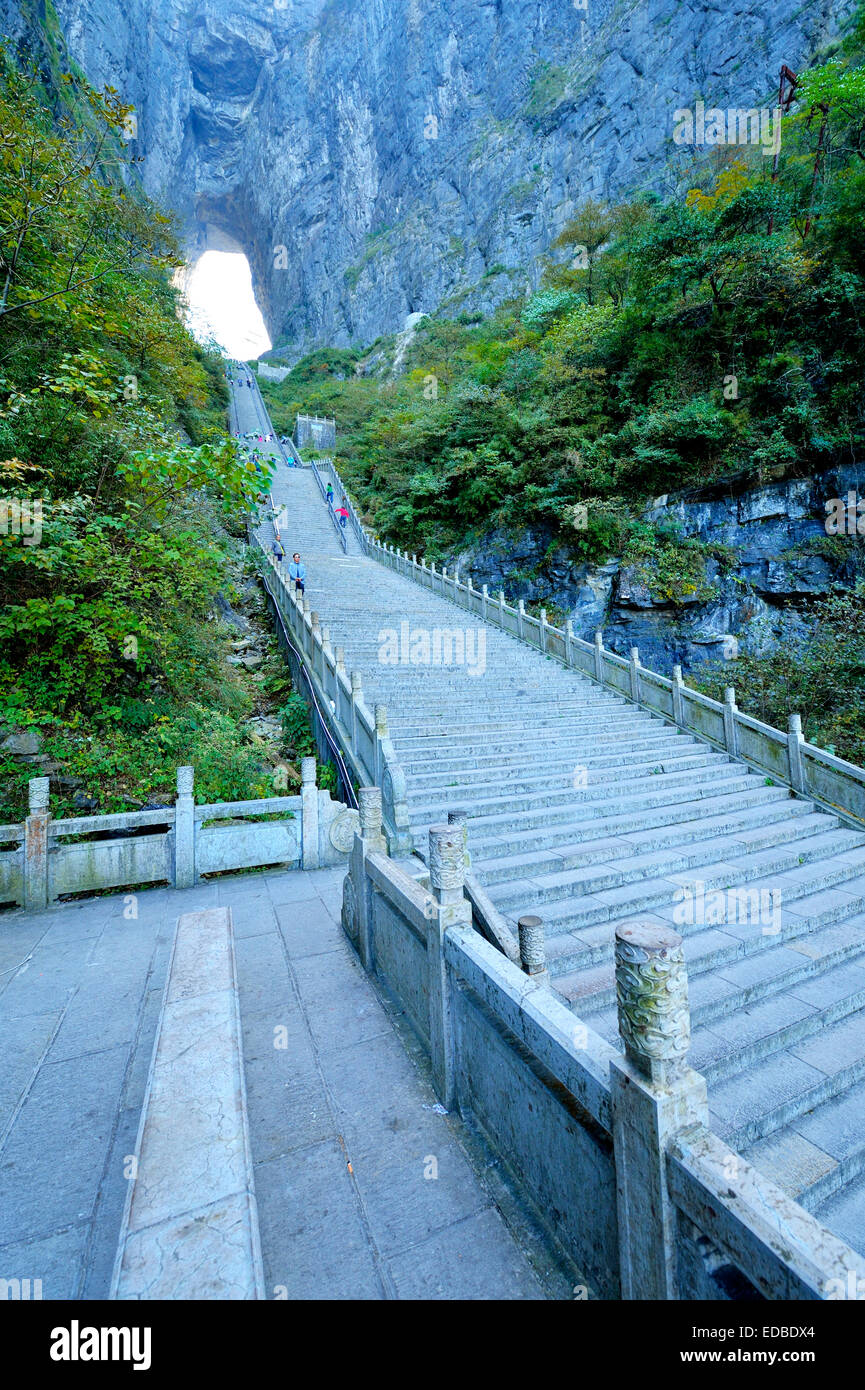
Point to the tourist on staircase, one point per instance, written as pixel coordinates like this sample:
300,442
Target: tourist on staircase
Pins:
278,549
297,572
342,513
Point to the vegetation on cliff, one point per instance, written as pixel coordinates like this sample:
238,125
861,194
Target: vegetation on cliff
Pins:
122,502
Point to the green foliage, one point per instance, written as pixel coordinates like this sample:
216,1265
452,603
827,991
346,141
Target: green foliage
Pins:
112,421
670,345
543,308
820,675
547,86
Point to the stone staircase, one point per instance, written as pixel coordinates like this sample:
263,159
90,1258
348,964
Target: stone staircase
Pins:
589,811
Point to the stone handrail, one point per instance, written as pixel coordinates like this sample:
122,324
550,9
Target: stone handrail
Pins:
361,733
323,490
81,854
612,1148
787,757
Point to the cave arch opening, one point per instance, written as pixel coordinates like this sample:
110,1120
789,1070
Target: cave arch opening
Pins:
220,298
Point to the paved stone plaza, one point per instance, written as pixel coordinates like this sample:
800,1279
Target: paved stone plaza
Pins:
345,1137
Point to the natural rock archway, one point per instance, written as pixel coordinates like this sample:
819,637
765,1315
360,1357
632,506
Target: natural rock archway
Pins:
374,160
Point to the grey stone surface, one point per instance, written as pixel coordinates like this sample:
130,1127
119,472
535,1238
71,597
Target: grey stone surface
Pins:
190,1226
340,1120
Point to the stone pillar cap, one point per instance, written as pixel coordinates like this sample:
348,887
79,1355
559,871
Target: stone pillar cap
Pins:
648,937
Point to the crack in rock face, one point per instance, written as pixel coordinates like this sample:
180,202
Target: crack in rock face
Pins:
374,161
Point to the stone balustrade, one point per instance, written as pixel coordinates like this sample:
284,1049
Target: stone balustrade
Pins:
44,859
612,1148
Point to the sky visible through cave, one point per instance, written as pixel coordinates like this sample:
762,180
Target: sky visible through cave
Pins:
222,305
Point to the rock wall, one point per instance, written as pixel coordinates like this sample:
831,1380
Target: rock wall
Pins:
375,158
757,596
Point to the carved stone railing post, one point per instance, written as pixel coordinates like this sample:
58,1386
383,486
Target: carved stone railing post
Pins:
341,676
448,907
381,733
184,829
678,697
501,607
542,631
521,617
485,598
731,732
569,641
654,1096
36,844
309,815
533,956
356,698
599,656
358,894
634,673
794,752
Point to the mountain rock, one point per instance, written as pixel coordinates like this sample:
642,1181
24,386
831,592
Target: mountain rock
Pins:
376,161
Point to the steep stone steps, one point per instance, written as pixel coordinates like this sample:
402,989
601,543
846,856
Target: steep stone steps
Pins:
753,829
777,985
580,929
556,763
429,812
692,760
724,972
677,799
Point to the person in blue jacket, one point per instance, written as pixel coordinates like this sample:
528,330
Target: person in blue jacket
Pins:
297,572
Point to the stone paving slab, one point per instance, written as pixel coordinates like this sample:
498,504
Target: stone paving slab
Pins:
342,1124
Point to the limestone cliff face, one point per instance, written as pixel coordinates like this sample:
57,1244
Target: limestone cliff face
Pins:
377,157
779,564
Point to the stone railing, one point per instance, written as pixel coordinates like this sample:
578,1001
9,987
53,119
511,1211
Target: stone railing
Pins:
364,539
47,859
340,531
315,431
360,733
612,1148
787,757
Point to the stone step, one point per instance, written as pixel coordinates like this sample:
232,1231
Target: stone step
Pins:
582,963
771,1009
667,869
558,768
674,794
427,811
580,930
782,1091
476,790
819,1154
527,749
448,743
761,827
506,727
